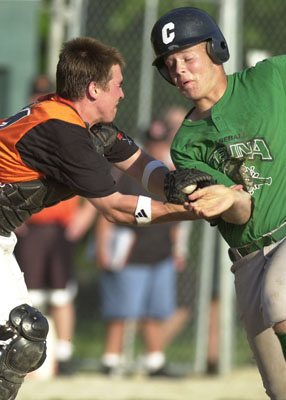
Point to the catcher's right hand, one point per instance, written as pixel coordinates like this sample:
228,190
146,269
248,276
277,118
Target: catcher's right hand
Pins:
179,184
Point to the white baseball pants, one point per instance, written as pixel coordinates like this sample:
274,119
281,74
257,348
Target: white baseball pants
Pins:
13,289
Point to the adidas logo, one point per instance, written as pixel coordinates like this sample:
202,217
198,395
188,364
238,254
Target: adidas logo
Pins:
141,214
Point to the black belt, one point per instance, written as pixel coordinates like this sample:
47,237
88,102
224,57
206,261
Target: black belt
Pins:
258,244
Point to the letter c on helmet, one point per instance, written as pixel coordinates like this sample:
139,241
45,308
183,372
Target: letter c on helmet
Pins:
168,34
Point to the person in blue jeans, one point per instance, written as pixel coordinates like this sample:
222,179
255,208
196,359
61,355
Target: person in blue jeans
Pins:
138,278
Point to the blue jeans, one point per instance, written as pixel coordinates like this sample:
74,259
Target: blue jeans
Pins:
138,291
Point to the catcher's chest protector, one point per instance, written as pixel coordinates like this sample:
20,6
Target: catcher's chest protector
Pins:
18,201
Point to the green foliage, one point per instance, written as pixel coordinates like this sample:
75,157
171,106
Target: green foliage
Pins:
90,338
263,25
44,29
125,14
167,5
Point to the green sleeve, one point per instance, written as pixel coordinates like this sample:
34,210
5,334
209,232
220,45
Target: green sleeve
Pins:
279,64
187,162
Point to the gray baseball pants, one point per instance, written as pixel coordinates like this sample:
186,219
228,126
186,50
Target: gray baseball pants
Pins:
260,284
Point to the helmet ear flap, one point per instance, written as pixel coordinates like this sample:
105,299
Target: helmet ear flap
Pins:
217,51
162,68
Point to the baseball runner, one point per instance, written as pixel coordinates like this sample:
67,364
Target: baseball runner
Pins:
235,132
60,147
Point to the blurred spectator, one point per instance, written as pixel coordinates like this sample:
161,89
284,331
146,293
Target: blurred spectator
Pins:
41,85
45,251
213,338
176,323
214,315
138,278
173,326
173,117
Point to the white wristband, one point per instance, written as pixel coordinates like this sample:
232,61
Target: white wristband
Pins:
149,168
143,210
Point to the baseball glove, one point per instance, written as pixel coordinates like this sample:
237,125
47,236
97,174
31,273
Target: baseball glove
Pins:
104,136
180,183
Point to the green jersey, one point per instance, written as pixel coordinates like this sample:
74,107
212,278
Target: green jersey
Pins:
243,142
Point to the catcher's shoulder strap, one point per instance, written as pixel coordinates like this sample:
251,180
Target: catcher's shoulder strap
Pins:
18,201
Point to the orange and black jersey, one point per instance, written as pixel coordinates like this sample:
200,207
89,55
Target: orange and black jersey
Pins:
50,139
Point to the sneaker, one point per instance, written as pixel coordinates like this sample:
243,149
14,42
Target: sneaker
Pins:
66,368
212,368
114,371
166,372
106,370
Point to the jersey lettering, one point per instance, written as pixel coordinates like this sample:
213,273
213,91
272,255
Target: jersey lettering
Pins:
235,162
168,33
218,157
14,118
256,148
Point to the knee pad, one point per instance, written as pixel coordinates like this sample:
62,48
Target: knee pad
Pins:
22,348
39,298
61,297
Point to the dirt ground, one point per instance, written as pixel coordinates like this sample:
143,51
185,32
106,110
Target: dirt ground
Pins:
240,384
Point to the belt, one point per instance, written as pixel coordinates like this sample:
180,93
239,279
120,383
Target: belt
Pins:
258,244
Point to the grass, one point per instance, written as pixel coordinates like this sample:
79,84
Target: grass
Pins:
90,337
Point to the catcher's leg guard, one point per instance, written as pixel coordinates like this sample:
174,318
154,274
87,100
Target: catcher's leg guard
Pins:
22,348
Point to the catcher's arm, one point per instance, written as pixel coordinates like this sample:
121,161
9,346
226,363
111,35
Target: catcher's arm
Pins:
141,166
131,210
155,177
148,171
213,201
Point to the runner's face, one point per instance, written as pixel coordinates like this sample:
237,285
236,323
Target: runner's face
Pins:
192,71
109,98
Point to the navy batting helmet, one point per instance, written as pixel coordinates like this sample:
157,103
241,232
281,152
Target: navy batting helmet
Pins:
184,27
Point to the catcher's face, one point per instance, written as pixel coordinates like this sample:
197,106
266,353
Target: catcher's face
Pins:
193,72
107,99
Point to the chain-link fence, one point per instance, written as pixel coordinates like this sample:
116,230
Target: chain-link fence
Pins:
123,23
127,25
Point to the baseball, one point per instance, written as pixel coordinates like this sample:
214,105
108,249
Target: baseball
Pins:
189,189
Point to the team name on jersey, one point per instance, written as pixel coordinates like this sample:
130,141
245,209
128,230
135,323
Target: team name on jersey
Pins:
238,162
248,150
